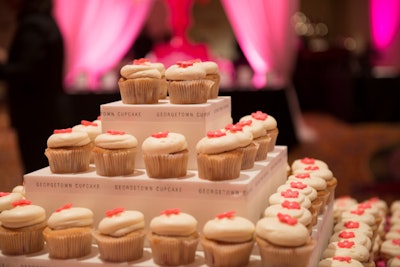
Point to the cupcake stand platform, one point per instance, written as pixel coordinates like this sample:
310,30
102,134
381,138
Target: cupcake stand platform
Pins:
247,195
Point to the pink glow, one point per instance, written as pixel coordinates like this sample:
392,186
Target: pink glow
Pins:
385,17
264,32
97,34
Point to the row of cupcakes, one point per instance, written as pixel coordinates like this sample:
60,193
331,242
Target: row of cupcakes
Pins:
185,82
365,234
221,154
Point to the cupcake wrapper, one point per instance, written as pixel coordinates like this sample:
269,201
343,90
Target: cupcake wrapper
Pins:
218,254
163,89
263,147
119,249
189,92
69,160
315,210
274,136
114,162
218,167
68,243
139,91
249,156
214,90
172,251
277,256
166,165
22,240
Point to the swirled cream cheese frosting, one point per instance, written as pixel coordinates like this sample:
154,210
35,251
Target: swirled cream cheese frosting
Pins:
353,225
289,195
346,249
220,141
184,70
67,138
23,214
359,215
282,230
391,247
91,128
115,140
393,262
267,120
306,161
314,181
119,222
164,143
69,217
303,188
227,227
254,127
324,173
355,236
291,208
7,198
173,222
140,69
340,261
209,67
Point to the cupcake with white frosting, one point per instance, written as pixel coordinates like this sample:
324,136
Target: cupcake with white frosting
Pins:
68,151
21,228
69,232
220,154
187,83
120,235
173,238
139,83
283,241
165,155
114,153
350,249
228,240
269,123
307,161
8,198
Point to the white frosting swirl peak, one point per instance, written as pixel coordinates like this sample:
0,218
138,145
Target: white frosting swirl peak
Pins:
170,143
122,223
115,140
132,71
68,139
70,217
174,224
22,216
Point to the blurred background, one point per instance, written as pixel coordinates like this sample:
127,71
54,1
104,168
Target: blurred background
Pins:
332,81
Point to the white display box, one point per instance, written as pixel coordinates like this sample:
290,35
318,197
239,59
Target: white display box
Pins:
321,232
247,195
193,121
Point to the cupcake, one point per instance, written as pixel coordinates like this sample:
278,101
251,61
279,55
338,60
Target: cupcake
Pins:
360,215
68,151
165,155
306,161
341,204
173,238
339,261
212,74
269,123
324,173
91,128
219,156
69,232
187,83
245,141
315,182
353,225
283,241
289,195
228,240
120,235
293,209
114,153
139,83
309,192
21,228
260,137
355,236
8,198
390,248
348,249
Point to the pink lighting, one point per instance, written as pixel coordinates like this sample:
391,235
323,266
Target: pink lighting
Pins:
264,32
385,17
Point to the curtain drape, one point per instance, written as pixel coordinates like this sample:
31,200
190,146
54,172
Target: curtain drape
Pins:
97,34
264,33
385,31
